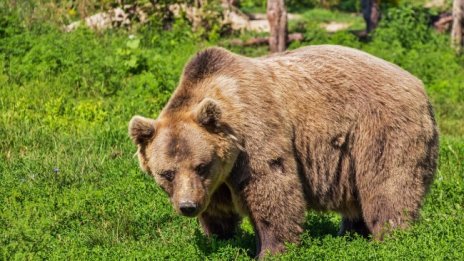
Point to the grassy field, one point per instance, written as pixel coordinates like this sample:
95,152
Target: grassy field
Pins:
71,187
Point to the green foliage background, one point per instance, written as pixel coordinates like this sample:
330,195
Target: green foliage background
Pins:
71,188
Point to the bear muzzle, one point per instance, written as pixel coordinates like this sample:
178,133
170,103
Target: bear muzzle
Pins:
188,208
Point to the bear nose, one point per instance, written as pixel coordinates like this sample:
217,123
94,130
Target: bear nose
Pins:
188,208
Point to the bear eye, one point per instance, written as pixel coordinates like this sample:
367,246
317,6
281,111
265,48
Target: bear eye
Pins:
168,174
202,169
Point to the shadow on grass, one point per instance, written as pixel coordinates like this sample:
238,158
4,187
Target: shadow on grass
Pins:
212,245
317,225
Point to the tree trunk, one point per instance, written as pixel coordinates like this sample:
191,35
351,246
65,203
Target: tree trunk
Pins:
324,3
82,8
277,16
458,24
371,14
230,2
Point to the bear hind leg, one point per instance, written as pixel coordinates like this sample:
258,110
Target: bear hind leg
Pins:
382,214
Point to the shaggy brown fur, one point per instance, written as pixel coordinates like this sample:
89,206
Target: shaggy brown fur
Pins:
321,127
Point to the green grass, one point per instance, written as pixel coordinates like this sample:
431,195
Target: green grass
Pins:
70,184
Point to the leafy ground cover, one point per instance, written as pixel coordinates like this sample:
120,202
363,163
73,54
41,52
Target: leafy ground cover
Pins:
71,188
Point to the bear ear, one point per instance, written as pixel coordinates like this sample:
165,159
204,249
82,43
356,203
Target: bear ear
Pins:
141,129
208,113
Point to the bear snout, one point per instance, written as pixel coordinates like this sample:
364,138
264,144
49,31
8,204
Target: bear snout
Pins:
188,208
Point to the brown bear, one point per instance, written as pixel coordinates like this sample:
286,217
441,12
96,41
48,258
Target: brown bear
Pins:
327,128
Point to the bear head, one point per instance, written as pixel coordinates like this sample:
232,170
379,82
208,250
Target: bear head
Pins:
189,153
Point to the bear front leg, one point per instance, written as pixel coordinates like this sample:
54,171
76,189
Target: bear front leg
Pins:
276,207
356,225
220,218
223,225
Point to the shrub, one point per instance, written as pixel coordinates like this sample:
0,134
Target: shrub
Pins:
407,25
